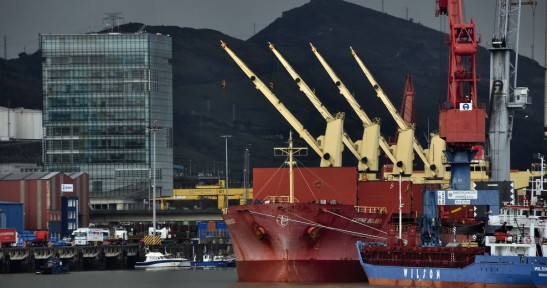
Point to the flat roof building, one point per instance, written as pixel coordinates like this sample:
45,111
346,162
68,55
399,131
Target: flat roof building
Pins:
106,98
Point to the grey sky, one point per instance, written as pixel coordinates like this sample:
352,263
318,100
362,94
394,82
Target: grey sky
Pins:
22,20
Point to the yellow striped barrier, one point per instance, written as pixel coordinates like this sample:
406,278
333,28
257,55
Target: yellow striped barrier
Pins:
152,240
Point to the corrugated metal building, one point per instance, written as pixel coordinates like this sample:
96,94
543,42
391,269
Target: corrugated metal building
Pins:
41,194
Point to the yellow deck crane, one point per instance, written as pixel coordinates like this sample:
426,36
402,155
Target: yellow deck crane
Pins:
329,147
432,159
400,166
367,155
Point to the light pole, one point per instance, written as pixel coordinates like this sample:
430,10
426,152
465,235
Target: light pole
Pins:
149,184
154,129
226,141
400,208
246,173
154,185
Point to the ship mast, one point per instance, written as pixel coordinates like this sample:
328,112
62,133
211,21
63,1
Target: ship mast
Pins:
291,152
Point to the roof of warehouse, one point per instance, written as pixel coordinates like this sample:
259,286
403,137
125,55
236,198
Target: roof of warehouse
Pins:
27,175
75,175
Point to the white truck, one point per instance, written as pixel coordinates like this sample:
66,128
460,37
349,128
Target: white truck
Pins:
90,236
119,237
120,234
164,232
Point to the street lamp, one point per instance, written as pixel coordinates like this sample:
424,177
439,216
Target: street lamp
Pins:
400,208
226,141
246,173
401,204
154,129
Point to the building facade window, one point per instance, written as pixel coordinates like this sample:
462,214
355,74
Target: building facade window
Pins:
101,92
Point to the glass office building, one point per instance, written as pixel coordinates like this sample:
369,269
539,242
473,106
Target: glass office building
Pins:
105,98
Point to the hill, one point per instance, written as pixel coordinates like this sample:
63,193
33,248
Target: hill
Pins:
204,110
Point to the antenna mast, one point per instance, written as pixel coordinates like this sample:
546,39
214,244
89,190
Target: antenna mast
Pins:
291,152
113,20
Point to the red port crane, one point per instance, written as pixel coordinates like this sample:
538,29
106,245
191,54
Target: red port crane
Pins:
461,119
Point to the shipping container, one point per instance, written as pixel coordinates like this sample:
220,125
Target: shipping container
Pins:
8,237
212,229
11,215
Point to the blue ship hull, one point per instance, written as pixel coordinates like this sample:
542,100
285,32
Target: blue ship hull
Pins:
539,274
209,264
485,271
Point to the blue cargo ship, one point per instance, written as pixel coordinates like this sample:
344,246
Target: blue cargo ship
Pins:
506,259
480,271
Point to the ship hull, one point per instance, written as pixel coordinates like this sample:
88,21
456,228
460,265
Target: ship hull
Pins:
425,283
162,264
301,242
300,271
539,274
486,271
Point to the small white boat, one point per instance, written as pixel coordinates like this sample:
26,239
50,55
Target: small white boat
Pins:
160,260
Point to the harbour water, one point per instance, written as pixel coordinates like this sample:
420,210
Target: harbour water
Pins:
160,278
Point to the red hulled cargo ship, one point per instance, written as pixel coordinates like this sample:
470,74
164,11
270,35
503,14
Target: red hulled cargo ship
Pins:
301,242
288,235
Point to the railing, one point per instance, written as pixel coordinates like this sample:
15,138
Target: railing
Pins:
437,257
278,199
510,239
522,220
159,212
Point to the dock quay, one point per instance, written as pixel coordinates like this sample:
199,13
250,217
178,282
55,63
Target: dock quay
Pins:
105,257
